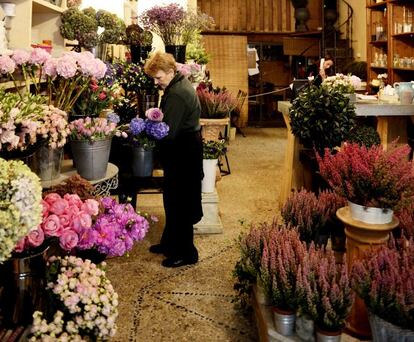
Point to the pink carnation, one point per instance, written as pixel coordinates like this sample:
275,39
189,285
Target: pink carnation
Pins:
20,56
68,240
35,237
154,114
66,66
7,65
39,56
51,226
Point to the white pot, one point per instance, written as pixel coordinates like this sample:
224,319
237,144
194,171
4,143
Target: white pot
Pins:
9,9
370,215
208,184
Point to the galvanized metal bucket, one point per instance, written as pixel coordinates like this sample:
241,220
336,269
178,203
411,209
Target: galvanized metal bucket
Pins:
284,321
142,162
46,162
91,157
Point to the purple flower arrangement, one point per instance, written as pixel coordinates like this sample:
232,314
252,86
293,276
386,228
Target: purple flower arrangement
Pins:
144,133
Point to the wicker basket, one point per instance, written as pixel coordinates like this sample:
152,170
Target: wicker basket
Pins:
211,128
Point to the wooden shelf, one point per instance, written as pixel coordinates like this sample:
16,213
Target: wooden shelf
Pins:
42,6
403,69
379,67
378,6
402,35
379,42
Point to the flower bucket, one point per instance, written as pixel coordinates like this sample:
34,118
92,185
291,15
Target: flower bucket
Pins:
24,281
46,162
305,328
91,157
370,215
284,321
178,51
328,336
139,52
386,331
211,128
208,184
142,162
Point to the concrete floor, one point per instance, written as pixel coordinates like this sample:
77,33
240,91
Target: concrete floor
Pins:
194,303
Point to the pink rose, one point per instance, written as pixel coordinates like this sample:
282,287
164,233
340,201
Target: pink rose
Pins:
59,206
72,211
20,245
45,208
51,226
154,114
52,198
68,240
82,220
73,199
91,207
35,237
65,220
102,96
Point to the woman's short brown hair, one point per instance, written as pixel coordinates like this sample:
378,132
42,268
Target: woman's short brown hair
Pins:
160,61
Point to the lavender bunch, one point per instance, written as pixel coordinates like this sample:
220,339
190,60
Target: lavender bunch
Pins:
384,279
323,289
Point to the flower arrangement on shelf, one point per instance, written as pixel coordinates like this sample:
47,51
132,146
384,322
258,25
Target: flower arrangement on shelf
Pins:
85,305
144,132
323,290
93,129
213,149
343,83
174,24
20,199
384,280
216,103
370,177
193,71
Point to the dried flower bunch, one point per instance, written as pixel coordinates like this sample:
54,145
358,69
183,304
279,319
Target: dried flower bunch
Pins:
86,301
323,289
74,185
144,133
20,198
384,279
215,104
343,83
282,255
370,176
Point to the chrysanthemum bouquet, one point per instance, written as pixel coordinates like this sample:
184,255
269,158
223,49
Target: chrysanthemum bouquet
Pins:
20,198
85,305
343,83
144,133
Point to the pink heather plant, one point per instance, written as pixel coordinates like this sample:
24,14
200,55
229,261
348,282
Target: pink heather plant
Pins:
283,253
83,301
215,104
384,279
406,218
370,176
323,290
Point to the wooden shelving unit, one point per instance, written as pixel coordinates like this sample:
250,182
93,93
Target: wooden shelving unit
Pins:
35,21
394,42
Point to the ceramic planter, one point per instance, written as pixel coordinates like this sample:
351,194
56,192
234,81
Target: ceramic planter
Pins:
370,215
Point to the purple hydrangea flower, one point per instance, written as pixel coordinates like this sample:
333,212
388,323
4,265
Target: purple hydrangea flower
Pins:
156,130
137,126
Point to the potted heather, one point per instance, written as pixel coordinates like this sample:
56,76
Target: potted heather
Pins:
212,150
384,279
374,181
282,255
324,293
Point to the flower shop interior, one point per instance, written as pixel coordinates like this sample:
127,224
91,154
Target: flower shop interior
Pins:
293,94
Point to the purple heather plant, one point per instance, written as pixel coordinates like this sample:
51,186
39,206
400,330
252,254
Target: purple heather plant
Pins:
323,290
282,254
384,279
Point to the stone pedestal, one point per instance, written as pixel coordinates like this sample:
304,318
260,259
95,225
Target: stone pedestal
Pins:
360,237
211,222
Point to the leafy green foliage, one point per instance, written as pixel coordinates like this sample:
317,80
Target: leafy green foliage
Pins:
364,135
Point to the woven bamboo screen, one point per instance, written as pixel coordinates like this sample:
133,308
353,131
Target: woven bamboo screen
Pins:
228,65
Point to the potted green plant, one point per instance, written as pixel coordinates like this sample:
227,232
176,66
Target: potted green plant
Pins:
139,41
212,150
374,181
364,135
324,293
282,255
384,279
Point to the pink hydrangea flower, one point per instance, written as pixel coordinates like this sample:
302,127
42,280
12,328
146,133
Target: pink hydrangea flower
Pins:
66,66
49,68
20,56
39,56
7,65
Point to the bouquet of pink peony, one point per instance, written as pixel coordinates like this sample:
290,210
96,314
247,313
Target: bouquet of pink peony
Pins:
85,305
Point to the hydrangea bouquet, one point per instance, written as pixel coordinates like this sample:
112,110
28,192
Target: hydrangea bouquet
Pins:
344,83
20,198
144,133
87,305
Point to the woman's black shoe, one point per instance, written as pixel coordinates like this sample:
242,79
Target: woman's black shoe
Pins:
178,261
157,249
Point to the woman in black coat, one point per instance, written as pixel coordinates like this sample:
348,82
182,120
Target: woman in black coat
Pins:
181,155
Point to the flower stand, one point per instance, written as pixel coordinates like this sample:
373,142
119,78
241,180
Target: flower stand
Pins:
359,238
211,222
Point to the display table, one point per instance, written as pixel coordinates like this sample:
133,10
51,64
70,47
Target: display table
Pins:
102,186
391,124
